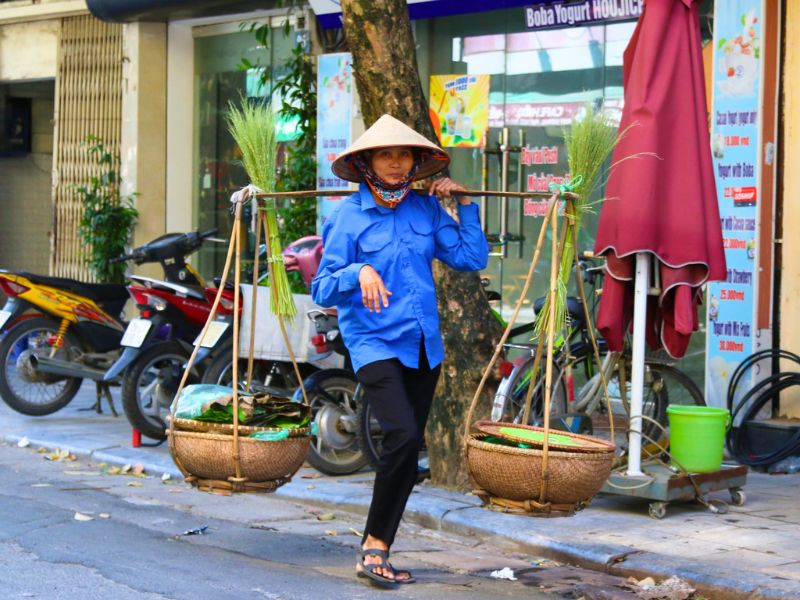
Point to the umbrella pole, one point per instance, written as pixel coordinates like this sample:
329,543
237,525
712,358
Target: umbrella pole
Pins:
641,289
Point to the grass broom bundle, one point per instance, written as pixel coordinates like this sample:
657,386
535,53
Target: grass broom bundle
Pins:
253,128
590,141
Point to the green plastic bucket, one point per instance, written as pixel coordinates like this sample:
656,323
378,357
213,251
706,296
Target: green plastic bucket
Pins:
697,437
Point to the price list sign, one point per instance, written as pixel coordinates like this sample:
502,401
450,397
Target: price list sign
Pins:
735,125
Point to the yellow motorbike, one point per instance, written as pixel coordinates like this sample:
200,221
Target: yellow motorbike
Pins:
56,332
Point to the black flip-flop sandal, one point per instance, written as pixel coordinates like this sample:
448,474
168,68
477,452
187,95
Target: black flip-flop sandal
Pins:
368,570
409,579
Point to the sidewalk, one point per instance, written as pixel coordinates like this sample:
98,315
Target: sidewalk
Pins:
752,551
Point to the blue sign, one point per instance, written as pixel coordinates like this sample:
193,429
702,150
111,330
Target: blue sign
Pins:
734,143
334,124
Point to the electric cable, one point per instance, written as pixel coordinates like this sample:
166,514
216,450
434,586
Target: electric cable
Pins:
751,403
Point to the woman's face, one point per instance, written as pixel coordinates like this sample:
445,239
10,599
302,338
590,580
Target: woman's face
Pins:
392,164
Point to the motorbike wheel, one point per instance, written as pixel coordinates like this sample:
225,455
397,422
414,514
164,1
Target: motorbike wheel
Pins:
149,386
335,449
22,387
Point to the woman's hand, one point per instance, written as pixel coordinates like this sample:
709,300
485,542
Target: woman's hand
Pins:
445,187
373,292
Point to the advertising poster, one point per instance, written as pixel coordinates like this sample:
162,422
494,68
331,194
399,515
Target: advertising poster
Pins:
735,124
459,109
334,124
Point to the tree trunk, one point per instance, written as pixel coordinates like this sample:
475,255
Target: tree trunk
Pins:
380,39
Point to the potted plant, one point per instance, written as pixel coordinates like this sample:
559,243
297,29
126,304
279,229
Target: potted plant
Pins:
108,217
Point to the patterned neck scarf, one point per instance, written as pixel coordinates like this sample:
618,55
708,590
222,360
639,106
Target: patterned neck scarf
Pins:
390,193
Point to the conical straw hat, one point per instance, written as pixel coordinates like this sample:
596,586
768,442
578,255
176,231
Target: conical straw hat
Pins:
387,132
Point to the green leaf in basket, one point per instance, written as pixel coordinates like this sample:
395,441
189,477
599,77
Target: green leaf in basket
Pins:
538,436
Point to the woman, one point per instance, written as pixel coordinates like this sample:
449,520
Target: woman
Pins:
376,268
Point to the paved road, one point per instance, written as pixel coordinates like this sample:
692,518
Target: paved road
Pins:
255,546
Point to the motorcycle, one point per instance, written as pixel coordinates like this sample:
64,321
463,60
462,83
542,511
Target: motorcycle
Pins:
158,343
330,391
170,321
61,331
334,396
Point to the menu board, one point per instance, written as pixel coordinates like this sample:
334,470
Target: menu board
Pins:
735,126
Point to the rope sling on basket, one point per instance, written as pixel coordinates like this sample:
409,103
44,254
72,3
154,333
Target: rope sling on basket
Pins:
225,458
551,473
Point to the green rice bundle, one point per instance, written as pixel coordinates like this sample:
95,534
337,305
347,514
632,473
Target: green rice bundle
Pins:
590,141
253,129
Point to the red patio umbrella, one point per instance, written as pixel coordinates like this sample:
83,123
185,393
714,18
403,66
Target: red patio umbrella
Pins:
661,198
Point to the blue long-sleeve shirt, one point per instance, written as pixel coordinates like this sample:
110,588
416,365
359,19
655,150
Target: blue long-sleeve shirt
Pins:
400,245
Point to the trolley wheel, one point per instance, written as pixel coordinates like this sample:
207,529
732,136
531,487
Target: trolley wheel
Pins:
658,510
738,497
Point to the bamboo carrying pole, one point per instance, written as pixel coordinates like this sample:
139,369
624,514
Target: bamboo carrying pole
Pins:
557,248
470,193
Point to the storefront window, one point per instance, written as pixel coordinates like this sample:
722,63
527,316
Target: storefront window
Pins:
218,82
539,80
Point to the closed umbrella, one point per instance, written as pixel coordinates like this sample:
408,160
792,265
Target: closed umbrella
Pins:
661,203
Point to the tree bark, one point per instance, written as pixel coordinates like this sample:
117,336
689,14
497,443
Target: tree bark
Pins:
380,39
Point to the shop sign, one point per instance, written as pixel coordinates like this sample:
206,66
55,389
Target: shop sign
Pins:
459,109
329,12
731,305
541,182
565,13
334,124
534,114
540,155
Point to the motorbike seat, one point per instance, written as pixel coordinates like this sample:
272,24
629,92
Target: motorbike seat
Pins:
99,292
574,308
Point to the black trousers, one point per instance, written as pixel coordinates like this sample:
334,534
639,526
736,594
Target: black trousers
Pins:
400,399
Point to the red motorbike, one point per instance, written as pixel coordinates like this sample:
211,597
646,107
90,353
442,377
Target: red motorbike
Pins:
157,344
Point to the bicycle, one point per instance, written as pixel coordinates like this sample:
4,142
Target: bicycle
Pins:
577,390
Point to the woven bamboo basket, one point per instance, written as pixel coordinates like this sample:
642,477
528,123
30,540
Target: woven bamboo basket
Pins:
516,473
205,459
577,442
220,457
227,428
550,478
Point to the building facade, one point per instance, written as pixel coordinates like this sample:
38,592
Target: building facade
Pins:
181,66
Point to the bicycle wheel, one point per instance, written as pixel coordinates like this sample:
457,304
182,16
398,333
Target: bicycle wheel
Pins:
513,392
681,389
590,400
